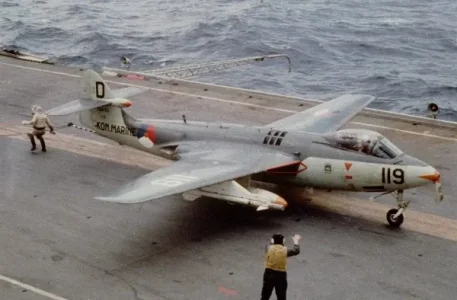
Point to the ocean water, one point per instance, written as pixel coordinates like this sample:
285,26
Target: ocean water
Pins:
402,52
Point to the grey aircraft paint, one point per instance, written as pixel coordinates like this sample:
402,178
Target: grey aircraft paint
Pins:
305,149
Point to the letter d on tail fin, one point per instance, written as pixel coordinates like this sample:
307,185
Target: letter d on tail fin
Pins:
93,87
94,93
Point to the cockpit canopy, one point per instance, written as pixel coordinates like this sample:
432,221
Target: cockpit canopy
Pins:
366,141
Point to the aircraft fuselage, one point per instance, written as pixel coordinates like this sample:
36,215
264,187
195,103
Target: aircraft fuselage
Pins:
319,165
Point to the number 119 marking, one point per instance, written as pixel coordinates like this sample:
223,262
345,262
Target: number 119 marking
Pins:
398,174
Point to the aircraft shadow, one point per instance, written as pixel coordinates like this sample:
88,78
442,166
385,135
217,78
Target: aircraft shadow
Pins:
201,223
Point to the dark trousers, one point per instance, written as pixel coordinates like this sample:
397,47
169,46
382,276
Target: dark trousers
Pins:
40,138
278,281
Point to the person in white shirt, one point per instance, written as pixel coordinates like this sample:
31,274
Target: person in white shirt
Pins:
39,122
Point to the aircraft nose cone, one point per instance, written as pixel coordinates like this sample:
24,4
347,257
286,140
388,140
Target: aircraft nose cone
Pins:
281,201
433,177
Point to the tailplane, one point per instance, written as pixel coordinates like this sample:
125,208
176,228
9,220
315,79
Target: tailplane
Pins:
94,93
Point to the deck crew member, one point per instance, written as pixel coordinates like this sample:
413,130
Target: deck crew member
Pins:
39,122
275,275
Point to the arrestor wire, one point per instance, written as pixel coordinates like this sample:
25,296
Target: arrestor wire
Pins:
69,124
56,128
17,133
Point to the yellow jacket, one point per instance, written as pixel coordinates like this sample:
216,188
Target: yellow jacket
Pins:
276,256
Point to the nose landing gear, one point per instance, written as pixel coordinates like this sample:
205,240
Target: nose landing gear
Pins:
395,216
394,221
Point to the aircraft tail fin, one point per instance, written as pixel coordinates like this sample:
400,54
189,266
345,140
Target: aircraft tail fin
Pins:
94,93
93,87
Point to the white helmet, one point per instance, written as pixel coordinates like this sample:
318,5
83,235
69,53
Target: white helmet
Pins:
36,109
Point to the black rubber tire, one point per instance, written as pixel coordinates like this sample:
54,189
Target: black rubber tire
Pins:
394,222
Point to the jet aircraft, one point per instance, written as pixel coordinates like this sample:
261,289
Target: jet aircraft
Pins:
306,149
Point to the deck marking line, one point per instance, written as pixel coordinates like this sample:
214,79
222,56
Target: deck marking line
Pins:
235,102
31,288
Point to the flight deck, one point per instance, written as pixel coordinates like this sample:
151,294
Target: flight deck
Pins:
60,243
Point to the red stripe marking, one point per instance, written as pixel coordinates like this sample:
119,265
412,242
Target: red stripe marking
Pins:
228,292
151,134
134,76
302,167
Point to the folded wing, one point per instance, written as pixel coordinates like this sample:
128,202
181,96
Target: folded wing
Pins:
199,168
326,117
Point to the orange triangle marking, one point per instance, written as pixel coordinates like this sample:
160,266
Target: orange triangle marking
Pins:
348,166
302,167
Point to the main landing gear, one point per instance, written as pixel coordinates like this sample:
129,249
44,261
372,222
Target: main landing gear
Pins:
395,216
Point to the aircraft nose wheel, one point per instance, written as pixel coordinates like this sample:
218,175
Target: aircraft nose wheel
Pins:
394,222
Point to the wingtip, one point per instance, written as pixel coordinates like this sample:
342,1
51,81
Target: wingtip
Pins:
371,97
356,97
119,200
108,199
365,96
101,198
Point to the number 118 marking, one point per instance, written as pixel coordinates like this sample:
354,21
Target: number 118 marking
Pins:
397,174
